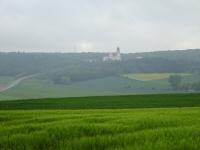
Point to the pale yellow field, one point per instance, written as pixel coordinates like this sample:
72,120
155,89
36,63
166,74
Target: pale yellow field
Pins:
152,76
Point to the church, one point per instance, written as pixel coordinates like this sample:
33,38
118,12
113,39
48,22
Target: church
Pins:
115,56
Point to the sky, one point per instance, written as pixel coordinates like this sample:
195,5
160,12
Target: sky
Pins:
99,25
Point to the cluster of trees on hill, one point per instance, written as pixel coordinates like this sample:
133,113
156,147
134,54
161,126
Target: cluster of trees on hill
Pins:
175,81
88,71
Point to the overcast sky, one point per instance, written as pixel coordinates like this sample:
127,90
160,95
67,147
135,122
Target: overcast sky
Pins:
99,25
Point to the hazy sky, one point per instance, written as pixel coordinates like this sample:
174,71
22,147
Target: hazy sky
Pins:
99,25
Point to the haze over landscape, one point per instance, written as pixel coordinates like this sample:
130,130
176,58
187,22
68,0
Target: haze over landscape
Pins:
99,75
98,26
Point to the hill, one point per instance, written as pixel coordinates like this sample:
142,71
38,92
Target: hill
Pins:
73,67
85,74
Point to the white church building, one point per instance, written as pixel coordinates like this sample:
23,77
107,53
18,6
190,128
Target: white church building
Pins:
115,56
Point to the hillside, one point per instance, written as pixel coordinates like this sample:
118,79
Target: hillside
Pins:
85,74
91,65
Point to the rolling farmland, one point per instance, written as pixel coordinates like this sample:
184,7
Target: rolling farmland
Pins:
114,85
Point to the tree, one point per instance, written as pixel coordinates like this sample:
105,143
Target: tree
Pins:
175,81
196,86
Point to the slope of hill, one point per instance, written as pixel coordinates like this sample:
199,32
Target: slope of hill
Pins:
116,85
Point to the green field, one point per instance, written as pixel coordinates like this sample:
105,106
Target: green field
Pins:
114,85
107,102
141,129
142,122
5,79
37,88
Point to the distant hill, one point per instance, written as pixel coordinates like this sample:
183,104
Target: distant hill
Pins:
186,55
66,68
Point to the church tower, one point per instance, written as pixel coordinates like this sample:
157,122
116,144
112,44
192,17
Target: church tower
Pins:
118,54
118,50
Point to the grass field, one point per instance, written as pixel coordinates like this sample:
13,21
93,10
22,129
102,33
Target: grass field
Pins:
107,102
5,79
127,129
115,85
152,76
36,88
167,122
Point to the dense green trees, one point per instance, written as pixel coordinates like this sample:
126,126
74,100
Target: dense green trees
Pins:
175,81
196,86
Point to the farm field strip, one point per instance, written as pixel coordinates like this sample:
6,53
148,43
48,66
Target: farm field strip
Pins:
105,102
152,76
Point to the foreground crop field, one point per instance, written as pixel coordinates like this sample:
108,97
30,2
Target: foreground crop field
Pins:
149,129
165,121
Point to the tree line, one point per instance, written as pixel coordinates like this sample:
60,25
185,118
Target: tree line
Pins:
176,84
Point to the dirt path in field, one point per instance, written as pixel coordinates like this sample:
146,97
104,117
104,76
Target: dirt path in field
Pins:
15,82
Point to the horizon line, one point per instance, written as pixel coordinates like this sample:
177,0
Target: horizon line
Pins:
103,52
